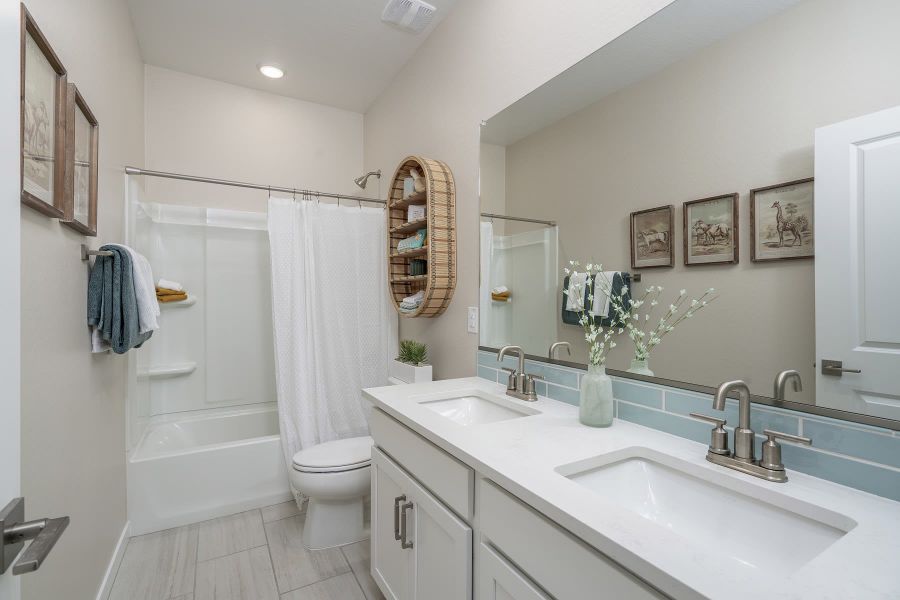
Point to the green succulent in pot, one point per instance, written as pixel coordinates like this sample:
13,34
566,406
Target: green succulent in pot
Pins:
413,353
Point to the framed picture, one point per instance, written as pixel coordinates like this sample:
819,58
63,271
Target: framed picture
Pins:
711,235
82,147
781,221
651,237
42,121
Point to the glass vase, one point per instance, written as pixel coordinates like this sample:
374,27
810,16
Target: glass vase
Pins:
640,367
596,407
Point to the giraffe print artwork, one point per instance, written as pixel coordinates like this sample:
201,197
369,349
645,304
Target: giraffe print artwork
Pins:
781,221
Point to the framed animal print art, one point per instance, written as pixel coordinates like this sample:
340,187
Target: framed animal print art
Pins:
781,221
711,234
651,237
43,121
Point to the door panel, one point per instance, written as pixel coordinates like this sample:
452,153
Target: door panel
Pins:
499,580
391,564
857,211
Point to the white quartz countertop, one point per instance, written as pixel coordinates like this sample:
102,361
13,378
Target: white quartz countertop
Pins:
521,455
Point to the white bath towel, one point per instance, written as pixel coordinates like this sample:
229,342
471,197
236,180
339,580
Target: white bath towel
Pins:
144,290
573,301
170,285
603,281
415,298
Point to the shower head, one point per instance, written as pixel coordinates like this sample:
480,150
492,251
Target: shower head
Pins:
363,179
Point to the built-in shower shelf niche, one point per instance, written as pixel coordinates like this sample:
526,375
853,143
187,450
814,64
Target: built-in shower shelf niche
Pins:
189,301
439,252
168,371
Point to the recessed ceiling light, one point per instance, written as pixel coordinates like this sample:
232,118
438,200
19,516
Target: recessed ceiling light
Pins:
271,71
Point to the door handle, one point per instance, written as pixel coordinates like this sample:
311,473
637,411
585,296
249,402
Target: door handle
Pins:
836,367
397,502
16,531
403,541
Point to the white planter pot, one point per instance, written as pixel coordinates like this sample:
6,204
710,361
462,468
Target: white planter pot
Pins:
410,373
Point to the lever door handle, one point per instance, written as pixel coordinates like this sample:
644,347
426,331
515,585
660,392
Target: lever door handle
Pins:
404,543
397,502
836,367
36,553
15,531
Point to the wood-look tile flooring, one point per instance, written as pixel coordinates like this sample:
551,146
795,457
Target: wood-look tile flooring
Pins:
253,555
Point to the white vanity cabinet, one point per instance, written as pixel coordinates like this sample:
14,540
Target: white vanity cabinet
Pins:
420,550
500,580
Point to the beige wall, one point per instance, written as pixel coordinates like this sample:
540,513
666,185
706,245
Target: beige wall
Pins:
73,403
204,127
737,115
480,59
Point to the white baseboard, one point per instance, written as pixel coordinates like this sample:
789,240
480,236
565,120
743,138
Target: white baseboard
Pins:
114,562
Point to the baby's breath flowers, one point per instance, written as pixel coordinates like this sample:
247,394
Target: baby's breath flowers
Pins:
600,339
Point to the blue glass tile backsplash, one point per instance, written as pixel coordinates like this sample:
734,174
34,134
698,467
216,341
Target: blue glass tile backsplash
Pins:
859,456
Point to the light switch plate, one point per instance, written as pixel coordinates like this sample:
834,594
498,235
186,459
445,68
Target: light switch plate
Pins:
472,321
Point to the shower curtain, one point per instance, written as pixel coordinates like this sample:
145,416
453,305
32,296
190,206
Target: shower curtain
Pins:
335,328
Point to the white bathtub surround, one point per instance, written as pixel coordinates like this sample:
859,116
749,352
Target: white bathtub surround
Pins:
335,330
187,468
850,539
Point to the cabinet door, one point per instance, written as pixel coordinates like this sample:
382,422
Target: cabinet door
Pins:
391,564
442,544
499,580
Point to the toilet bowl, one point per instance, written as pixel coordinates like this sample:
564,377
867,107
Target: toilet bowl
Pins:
335,476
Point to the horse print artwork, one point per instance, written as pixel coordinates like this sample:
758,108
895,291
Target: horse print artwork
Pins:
651,237
781,221
711,230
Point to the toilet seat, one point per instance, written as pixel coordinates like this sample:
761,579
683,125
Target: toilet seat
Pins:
337,456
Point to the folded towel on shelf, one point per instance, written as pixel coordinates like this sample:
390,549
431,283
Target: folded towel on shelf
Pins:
504,297
112,306
148,307
412,242
160,291
173,297
500,289
171,285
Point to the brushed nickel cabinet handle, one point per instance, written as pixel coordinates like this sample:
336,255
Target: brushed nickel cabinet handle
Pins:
397,502
404,543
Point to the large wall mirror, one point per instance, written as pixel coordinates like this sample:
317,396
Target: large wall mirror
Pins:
709,101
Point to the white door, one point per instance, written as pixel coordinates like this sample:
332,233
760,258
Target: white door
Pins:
499,580
9,267
857,224
391,563
442,546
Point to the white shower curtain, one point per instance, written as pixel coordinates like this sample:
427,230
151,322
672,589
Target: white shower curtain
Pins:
335,329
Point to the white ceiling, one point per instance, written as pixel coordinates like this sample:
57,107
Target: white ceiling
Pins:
675,32
334,52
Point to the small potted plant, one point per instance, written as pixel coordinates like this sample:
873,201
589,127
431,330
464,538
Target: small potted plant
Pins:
410,365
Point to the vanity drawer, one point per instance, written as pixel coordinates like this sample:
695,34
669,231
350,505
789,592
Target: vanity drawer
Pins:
447,478
555,559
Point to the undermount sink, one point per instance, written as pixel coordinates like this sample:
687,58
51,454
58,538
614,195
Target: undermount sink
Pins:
474,407
758,527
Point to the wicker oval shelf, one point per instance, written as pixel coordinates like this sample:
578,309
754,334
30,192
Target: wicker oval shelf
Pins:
439,251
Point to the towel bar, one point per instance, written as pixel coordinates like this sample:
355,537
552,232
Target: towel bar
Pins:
87,253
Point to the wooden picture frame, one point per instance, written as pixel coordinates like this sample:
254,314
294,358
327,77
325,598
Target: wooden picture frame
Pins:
42,121
768,221
651,237
82,152
711,230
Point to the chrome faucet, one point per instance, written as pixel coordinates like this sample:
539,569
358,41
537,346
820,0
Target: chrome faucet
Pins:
557,345
520,384
770,467
781,383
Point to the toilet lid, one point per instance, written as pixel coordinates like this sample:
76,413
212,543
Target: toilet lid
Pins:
339,455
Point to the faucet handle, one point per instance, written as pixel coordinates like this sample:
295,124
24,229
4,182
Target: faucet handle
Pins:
511,382
771,450
718,437
529,384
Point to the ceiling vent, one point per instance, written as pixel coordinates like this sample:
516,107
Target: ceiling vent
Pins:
408,15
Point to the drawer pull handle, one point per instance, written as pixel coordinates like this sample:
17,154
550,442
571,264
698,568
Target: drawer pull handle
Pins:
403,542
397,502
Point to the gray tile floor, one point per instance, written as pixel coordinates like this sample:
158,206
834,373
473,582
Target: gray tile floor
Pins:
254,555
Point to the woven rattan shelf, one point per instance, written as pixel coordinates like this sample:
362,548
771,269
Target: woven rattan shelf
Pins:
439,198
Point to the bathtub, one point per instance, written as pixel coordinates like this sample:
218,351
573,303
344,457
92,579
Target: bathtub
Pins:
197,467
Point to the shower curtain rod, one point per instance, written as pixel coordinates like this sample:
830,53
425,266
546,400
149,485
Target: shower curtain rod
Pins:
523,219
252,186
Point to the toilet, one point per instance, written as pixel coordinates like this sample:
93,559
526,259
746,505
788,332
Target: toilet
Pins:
336,477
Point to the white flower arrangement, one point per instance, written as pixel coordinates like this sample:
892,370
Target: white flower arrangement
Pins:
643,336
600,339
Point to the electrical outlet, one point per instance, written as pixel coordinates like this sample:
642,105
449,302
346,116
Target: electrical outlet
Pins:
472,322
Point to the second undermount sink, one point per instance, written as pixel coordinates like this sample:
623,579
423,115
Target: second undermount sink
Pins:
758,527
474,407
